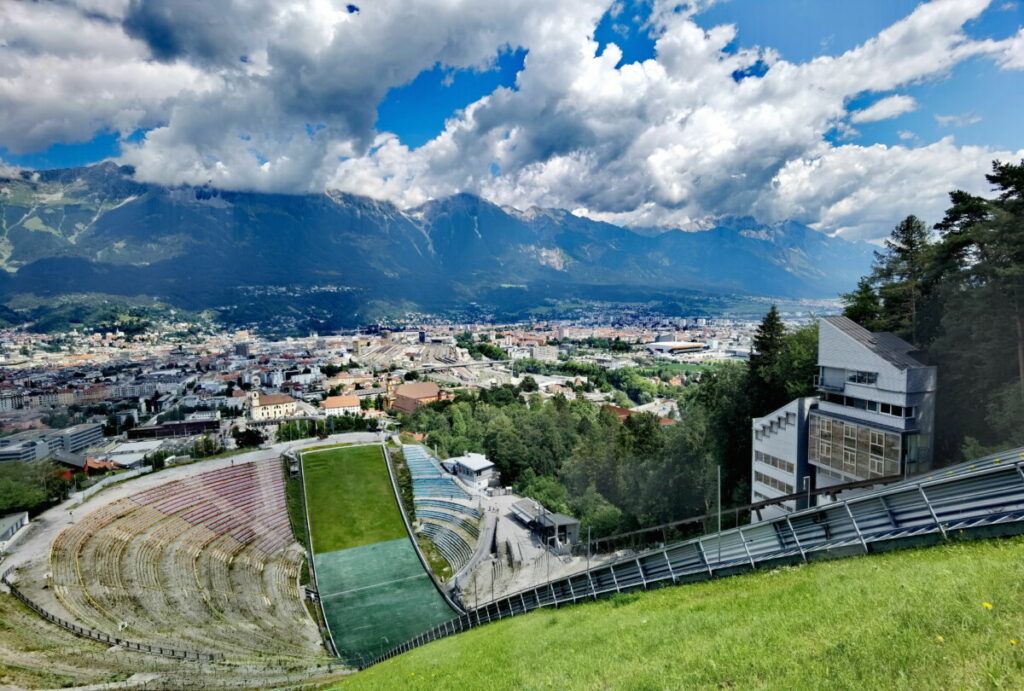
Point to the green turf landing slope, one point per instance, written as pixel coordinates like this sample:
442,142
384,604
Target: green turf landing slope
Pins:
374,590
910,619
386,599
350,499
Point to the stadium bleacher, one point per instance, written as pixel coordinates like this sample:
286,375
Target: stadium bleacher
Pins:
442,507
453,546
208,562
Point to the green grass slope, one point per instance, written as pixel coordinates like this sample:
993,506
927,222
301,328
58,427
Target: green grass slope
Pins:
350,499
914,619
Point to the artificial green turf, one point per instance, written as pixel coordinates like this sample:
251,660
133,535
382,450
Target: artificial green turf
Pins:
377,596
911,619
349,498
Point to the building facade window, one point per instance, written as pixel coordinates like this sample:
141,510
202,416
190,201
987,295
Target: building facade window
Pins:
825,450
773,461
861,451
769,481
857,377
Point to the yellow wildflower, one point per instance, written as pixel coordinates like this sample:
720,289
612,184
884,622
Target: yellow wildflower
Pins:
986,605
940,639
1013,641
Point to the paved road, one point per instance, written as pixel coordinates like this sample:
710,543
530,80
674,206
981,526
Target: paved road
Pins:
35,544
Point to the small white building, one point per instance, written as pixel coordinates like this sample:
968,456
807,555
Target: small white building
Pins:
341,405
473,469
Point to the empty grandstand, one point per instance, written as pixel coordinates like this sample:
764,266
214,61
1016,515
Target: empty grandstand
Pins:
206,563
443,508
429,480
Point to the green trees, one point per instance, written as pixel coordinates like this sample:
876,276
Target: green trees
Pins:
248,438
960,297
863,305
29,486
764,376
899,273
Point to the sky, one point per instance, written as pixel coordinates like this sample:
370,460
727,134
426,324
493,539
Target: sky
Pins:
846,115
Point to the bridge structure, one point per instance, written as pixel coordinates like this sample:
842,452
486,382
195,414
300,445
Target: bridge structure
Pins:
980,498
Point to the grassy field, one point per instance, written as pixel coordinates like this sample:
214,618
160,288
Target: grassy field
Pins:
935,618
346,489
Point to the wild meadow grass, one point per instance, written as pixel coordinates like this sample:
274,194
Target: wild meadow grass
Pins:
941,617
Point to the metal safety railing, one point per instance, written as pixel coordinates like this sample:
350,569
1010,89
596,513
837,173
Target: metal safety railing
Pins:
981,498
106,638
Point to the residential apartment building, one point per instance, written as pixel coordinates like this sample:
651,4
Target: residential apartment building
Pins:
341,405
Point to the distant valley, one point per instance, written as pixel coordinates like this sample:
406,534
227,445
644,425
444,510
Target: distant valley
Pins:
350,259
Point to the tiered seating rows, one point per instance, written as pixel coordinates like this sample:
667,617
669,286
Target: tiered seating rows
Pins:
218,570
224,501
454,548
440,516
450,506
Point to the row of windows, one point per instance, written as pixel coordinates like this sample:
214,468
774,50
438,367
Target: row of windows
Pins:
773,483
872,406
858,377
768,459
856,450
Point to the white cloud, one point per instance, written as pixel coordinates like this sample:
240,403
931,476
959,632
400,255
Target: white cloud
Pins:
282,95
906,135
1013,55
860,191
884,109
961,120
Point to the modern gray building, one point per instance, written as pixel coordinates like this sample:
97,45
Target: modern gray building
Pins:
10,526
876,407
779,464
873,418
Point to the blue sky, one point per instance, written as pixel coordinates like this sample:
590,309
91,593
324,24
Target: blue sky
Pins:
981,102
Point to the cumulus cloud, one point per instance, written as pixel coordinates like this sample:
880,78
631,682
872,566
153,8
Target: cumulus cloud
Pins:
858,191
884,109
281,95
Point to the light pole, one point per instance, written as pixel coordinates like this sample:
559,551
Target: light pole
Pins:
588,548
719,512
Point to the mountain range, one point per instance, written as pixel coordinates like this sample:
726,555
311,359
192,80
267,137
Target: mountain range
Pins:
97,230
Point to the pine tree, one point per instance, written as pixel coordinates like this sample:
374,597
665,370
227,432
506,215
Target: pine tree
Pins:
767,388
863,305
900,273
